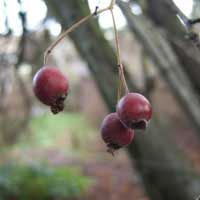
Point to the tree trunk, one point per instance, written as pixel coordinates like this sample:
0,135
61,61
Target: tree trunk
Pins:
169,179
166,173
163,14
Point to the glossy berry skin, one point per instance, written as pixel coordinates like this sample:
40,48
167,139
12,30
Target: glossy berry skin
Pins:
134,110
114,133
51,87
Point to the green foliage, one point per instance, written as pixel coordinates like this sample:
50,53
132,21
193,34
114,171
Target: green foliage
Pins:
47,128
41,182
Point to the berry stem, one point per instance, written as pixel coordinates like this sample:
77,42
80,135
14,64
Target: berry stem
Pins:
112,3
122,79
119,89
72,28
116,38
60,37
111,151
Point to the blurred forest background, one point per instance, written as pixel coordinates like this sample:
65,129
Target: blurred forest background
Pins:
46,156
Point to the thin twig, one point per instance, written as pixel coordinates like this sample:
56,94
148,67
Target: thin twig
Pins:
9,31
72,28
122,79
20,60
51,47
116,39
112,3
188,24
22,42
119,61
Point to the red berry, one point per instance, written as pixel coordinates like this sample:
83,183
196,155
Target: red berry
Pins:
51,88
134,110
114,133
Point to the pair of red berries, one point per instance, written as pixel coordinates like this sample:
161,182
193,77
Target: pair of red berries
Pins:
51,88
133,112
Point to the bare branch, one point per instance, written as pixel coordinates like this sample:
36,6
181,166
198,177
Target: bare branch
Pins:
73,27
21,45
192,34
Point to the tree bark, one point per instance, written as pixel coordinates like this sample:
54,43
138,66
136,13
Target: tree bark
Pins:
163,14
157,159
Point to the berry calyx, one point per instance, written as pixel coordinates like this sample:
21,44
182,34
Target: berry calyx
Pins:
51,88
134,110
114,133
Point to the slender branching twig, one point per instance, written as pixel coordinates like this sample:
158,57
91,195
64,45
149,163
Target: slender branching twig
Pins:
72,28
122,80
63,35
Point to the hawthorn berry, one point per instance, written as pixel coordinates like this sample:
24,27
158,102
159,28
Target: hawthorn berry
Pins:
51,88
134,110
114,133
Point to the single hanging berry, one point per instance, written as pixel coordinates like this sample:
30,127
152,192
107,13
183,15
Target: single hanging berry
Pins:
51,88
114,133
134,110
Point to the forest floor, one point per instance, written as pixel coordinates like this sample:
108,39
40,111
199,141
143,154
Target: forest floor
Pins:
113,178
